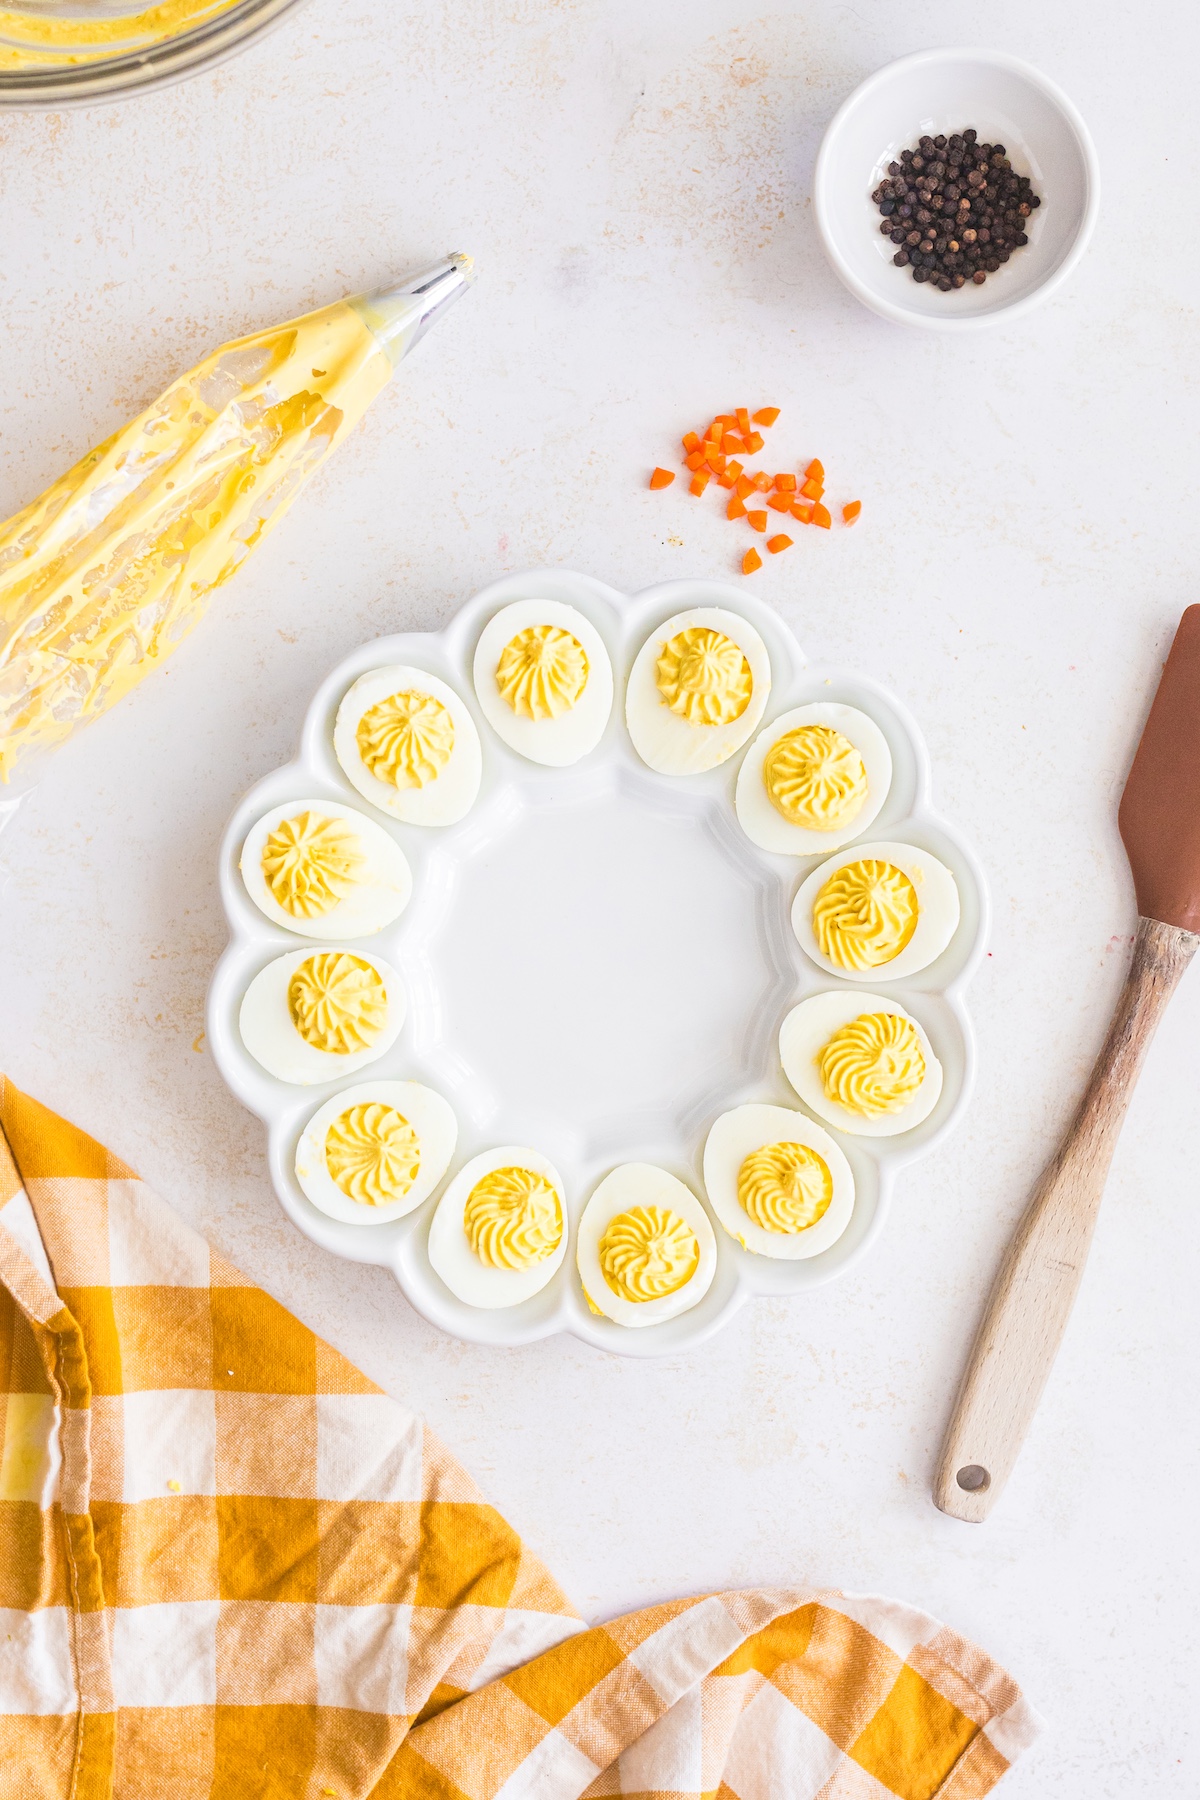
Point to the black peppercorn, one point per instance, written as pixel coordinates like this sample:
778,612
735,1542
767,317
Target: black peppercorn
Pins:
954,209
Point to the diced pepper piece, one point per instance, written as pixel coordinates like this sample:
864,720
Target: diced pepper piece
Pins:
751,561
812,489
758,520
786,484
780,503
762,482
744,486
851,511
690,441
802,513
694,460
662,478
766,415
699,481
754,443
821,516
743,419
815,470
735,509
780,542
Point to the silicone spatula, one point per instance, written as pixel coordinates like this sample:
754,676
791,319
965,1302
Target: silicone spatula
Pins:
1033,1294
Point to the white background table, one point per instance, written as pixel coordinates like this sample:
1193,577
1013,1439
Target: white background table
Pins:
634,183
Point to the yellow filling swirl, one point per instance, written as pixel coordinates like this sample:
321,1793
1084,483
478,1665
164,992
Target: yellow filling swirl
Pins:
703,676
513,1219
406,739
310,863
542,672
648,1252
372,1153
873,1065
785,1187
865,914
815,777
338,1002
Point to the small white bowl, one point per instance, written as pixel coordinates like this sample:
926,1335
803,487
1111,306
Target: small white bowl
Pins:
1007,102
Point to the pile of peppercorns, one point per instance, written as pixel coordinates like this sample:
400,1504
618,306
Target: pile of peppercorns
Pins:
955,209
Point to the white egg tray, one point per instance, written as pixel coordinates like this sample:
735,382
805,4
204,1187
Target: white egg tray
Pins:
597,963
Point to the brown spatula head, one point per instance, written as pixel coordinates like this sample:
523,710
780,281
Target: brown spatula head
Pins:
1160,808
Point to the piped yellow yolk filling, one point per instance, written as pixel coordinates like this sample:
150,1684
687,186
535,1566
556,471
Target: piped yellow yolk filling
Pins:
785,1187
703,676
865,914
513,1219
542,672
407,739
309,863
816,778
337,1002
372,1153
874,1065
648,1252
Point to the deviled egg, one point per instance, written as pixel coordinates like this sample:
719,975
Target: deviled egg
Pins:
861,1062
544,680
374,1152
409,745
777,1182
645,1249
697,690
886,910
500,1230
814,779
313,1015
318,866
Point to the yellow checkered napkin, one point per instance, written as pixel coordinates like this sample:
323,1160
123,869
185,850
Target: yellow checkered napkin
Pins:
231,1567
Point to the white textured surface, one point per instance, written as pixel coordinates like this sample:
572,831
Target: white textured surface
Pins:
633,182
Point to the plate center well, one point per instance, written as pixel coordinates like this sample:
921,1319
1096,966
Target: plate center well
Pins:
609,964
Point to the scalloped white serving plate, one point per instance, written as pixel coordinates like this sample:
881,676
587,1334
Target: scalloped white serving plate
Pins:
597,962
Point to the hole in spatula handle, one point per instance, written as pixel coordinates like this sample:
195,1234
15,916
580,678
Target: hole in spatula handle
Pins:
973,1479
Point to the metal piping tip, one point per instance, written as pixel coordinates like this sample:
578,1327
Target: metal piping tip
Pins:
401,313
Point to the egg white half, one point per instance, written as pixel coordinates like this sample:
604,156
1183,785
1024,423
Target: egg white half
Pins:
938,909
805,1033
272,1039
380,894
762,820
665,741
450,1249
451,795
552,742
642,1184
431,1117
734,1137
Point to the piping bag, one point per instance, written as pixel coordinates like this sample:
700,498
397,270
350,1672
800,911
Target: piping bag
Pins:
104,573
1031,1301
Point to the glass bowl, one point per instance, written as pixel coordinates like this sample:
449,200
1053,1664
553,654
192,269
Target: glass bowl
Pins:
73,65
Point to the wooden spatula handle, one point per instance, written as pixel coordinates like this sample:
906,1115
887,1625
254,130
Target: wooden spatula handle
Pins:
1031,1301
